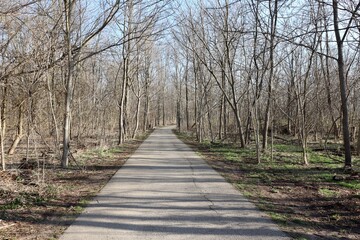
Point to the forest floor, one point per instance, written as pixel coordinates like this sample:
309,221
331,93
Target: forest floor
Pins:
39,200
318,201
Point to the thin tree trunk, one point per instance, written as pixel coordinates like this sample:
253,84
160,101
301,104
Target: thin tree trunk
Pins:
20,131
257,92
196,100
178,108
326,72
273,23
121,137
240,131
358,142
3,127
146,106
303,133
220,118
342,81
53,114
223,102
137,114
146,95
138,94
69,83
248,127
3,167
272,136
267,120
2,149
187,95
289,108
67,117
209,116
158,115
163,107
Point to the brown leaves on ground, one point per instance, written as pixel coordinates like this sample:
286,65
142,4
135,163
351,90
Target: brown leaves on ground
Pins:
39,203
306,209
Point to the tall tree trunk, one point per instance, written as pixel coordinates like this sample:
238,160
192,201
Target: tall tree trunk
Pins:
178,107
137,94
248,120
208,109
20,131
196,99
126,48
187,95
258,87
146,104
121,137
273,23
158,112
342,81
163,107
239,126
199,117
69,82
225,118
223,102
326,72
137,114
3,165
220,118
289,107
52,103
256,130
3,125
358,141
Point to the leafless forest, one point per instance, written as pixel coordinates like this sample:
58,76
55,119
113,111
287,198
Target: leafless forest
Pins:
235,71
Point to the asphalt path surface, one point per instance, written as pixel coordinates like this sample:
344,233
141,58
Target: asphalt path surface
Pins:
166,191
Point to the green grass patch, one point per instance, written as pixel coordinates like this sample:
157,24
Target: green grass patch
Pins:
99,153
231,156
323,159
300,221
279,218
353,184
81,205
287,148
102,153
23,199
51,191
115,150
243,187
328,193
14,204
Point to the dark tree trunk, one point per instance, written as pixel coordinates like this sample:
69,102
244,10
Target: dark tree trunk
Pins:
342,82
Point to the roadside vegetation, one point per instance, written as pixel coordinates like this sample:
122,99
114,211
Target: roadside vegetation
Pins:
316,201
39,201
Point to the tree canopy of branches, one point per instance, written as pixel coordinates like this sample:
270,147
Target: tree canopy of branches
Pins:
235,71
280,67
66,66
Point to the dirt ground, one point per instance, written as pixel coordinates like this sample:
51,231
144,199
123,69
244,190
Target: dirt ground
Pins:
38,201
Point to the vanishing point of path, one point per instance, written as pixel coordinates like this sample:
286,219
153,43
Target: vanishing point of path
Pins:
166,191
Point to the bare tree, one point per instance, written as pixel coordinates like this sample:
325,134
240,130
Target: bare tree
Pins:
342,76
73,56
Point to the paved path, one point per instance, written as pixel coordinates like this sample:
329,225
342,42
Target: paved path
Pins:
165,191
